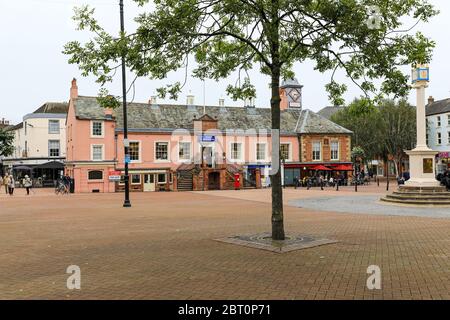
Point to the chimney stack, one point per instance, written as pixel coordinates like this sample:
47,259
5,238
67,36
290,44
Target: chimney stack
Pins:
221,102
74,89
430,100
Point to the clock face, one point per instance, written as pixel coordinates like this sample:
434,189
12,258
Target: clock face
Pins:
294,94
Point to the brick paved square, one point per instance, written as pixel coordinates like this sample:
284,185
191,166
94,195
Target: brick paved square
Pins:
163,248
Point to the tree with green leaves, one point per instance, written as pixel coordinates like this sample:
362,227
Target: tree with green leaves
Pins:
398,127
6,143
223,36
363,119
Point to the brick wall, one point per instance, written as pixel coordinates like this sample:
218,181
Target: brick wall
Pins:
344,147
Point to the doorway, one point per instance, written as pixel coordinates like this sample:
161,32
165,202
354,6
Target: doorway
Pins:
149,182
214,181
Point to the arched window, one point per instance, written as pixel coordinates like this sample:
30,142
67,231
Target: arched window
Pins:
95,175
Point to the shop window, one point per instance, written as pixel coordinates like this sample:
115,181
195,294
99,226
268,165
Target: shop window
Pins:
161,178
136,179
95,175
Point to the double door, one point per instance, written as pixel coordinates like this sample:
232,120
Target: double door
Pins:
149,182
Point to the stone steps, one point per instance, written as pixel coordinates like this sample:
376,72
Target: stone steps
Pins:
419,196
429,202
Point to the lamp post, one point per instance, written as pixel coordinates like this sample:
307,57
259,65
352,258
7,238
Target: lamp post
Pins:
126,202
422,158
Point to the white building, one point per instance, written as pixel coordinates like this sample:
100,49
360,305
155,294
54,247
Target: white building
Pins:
40,144
438,131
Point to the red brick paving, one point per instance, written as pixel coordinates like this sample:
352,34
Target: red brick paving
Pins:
162,248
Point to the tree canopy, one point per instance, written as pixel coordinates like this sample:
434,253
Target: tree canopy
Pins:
385,129
6,143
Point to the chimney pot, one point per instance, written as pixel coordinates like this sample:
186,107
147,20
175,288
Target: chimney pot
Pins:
430,100
221,102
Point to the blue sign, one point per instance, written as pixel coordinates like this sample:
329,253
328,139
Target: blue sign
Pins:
127,158
207,138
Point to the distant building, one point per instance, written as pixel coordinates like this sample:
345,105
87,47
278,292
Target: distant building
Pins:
191,147
40,144
438,131
4,123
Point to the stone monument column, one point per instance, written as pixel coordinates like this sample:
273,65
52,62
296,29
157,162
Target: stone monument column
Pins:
422,158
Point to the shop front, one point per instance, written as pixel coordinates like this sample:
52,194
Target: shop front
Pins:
308,170
443,162
152,180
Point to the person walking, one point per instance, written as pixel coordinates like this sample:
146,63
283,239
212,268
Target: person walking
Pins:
321,182
6,183
11,185
295,182
27,184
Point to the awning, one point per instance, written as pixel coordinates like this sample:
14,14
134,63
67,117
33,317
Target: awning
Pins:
343,167
51,165
320,167
23,168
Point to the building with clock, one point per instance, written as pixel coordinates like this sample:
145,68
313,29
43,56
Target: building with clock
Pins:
176,147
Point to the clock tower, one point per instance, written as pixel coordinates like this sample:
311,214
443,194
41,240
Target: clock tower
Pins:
291,95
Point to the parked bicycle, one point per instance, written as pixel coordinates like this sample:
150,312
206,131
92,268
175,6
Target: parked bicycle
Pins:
61,188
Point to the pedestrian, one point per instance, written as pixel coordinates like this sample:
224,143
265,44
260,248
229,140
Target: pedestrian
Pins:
6,183
295,182
321,182
11,185
27,184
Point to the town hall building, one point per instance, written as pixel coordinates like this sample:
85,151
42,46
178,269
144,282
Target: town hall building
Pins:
174,147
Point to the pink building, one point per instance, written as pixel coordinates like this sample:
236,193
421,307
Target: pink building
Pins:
181,147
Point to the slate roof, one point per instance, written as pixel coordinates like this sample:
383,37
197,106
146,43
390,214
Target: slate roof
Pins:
53,107
167,117
438,107
328,112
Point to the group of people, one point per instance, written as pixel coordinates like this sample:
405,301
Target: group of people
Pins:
320,181
9,183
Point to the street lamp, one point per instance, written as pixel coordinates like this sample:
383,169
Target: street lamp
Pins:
126,202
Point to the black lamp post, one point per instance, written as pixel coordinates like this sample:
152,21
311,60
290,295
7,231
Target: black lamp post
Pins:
126,202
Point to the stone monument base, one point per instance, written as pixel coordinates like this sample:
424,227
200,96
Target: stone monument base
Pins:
422,168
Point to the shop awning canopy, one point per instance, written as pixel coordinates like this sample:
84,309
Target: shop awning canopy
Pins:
51,165
343,167
23,168
320,168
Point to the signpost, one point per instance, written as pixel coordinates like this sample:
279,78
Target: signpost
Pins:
114,176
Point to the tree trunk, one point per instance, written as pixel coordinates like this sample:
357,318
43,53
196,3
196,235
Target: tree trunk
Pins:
277,191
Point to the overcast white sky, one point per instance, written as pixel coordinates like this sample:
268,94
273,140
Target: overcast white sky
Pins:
34,71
